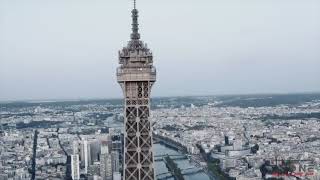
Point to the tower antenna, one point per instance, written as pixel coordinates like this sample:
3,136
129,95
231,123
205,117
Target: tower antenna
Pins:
135,25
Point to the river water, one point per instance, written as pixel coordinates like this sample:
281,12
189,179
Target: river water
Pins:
160,166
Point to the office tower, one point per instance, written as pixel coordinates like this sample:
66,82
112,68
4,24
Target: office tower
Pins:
76,147
82,154
95,147
75,167
115,161
117,146
105,163
94,169
136,75
87,157
105,139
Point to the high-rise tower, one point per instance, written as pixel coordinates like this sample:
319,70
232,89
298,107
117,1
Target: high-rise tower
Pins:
136,75
75,167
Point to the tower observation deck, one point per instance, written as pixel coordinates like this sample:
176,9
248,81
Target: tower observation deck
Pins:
136,75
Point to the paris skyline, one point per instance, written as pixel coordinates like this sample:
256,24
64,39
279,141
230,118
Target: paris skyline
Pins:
68,50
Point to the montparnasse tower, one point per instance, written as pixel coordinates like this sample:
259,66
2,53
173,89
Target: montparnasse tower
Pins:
136,75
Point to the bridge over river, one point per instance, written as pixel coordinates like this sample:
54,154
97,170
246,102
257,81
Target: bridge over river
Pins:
175,157
187,171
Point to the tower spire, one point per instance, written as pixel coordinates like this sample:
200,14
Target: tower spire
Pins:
135,25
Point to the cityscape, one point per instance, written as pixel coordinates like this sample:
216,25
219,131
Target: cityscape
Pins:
213,137
141,136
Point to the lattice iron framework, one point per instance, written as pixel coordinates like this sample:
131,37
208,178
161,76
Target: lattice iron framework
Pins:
136,75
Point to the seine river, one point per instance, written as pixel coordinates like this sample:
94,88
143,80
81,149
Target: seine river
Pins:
160,166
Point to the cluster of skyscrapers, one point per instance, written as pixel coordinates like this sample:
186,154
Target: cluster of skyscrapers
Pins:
97,159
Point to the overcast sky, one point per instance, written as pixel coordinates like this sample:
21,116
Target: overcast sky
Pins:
67,49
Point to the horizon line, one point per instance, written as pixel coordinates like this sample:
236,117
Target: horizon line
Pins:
155,97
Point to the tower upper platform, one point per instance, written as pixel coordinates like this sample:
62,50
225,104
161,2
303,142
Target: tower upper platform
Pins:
136,59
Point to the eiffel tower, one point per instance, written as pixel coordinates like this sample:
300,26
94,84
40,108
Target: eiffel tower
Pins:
136,75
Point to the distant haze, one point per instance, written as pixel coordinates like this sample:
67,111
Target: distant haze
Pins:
68,49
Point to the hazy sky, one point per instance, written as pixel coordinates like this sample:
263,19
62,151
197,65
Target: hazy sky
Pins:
58,49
